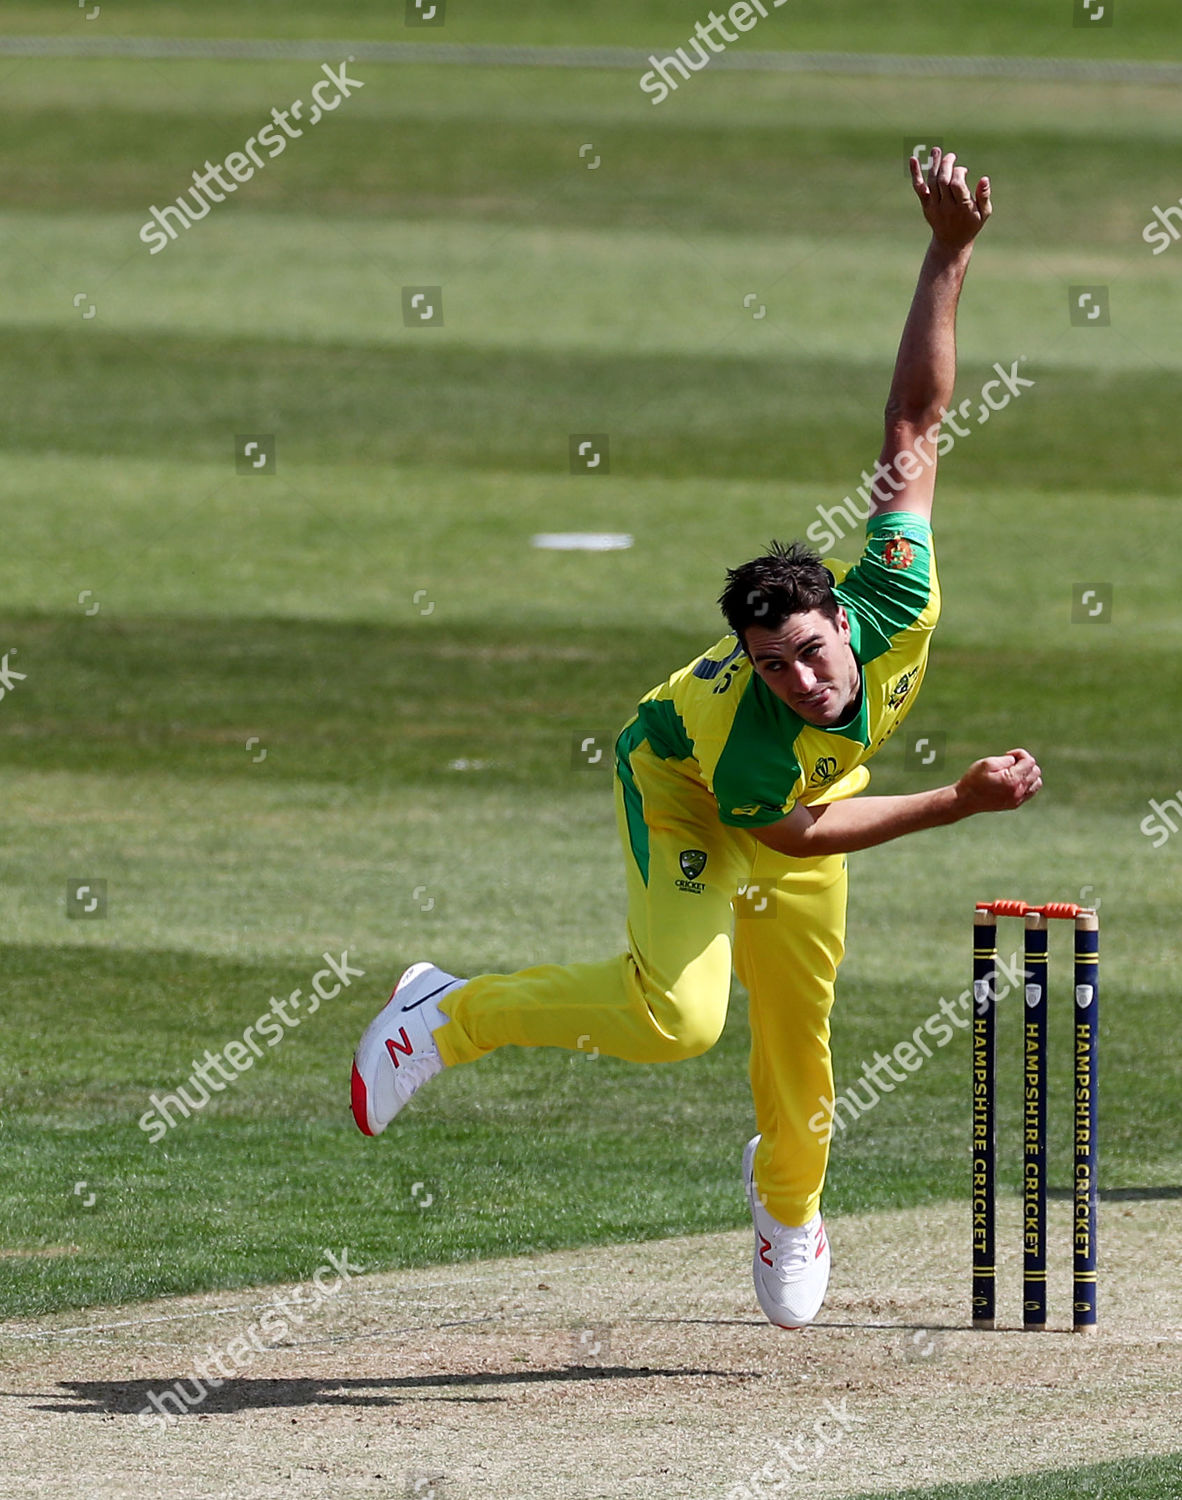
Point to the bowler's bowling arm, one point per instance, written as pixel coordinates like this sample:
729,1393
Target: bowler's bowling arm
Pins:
996,784
925,370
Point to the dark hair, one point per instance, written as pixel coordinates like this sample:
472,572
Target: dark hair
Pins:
786,580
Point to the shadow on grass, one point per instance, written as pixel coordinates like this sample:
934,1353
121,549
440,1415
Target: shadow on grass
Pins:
159,1397
1121,1195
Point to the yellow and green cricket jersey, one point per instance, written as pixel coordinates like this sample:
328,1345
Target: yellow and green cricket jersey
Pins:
724,727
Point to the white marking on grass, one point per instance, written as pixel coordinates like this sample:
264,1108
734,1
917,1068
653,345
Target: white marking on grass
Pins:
582,541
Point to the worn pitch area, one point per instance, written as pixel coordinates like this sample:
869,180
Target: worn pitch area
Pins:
638,1370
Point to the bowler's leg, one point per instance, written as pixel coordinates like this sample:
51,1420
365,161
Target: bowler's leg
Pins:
787,954
666,997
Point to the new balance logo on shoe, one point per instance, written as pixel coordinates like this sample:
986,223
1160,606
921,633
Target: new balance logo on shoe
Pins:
400,1043
765,1246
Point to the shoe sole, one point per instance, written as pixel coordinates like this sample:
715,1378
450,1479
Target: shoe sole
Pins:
359,1102
358,1093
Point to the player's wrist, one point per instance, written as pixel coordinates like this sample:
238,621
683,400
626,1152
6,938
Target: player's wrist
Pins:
950,254
951,804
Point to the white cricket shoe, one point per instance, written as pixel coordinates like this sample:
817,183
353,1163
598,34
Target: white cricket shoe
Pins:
791,1265
397,1054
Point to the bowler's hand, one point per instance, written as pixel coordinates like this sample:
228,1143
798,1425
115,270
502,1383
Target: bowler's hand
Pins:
955,215
998,783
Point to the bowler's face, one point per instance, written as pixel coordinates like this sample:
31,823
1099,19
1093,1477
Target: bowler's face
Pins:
809,663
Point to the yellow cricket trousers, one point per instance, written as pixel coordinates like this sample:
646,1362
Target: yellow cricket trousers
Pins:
666,997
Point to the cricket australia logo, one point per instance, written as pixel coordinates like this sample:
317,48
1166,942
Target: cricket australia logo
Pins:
824,771
692,862
902,687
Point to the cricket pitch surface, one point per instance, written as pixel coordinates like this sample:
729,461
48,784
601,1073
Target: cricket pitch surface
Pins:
629,1371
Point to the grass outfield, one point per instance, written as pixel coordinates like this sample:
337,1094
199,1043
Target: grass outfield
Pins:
418,796
1144,30
1129,1479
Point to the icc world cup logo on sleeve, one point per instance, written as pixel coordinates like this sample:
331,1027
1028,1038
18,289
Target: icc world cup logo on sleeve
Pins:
825,771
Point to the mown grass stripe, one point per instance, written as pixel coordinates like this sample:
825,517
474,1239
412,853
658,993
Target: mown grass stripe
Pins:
892,65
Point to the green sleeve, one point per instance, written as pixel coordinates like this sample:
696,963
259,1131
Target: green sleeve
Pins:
892,584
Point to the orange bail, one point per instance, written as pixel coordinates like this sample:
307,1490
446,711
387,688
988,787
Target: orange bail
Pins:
1022,908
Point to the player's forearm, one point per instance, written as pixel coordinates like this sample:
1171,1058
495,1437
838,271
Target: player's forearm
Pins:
925,370
998,783
863,822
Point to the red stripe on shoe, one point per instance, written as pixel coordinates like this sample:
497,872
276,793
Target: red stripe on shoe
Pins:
360,1102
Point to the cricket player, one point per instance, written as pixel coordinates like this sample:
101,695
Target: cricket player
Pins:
736,790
